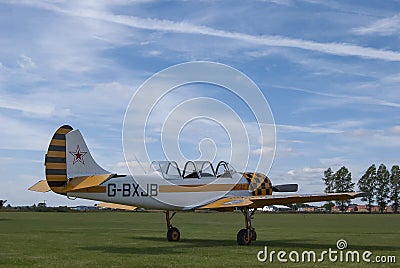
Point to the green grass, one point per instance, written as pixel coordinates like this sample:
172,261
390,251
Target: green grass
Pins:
122,239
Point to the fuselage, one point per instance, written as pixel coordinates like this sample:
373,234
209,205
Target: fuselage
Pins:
155,192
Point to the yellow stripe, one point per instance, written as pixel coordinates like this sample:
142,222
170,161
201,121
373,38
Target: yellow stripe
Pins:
63,131
57,142
55,154
228,202
56,177
95,189
239,187
86,182
56,165
200,188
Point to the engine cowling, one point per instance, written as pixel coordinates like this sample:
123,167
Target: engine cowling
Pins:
259,183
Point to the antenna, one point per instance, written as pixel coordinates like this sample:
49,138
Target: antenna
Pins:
140,164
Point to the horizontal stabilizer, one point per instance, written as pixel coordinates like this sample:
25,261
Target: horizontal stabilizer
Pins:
41,186
86,182
285,188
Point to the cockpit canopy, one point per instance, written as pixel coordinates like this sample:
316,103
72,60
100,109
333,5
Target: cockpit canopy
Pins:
192,170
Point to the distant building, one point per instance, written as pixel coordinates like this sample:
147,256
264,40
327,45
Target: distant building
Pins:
84,208
308,209
274,208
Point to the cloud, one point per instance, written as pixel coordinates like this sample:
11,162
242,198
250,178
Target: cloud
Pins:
308,178
26,62
374,138
371,100
334,161
306,171
395,130
339,49
312,129
383,27
18,134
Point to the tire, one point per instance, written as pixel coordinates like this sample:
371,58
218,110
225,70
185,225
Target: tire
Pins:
242,238
173,234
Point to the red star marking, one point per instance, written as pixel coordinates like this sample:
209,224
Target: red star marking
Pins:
78,155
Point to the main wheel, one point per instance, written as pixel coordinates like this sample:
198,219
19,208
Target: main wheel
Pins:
173,234
242,238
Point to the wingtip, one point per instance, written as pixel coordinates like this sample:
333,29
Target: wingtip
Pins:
361,194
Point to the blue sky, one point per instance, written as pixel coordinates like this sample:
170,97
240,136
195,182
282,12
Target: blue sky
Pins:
330,71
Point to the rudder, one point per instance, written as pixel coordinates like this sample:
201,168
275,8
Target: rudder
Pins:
55,160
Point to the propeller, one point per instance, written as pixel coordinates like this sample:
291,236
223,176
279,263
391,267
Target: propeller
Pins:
285,188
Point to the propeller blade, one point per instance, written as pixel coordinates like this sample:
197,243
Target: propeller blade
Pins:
285,188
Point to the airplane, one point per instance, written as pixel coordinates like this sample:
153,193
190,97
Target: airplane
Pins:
71,171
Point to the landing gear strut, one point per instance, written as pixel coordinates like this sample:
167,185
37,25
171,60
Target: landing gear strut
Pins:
245,236
173,233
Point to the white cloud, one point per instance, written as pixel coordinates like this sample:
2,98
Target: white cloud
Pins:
307,176
334,162
395,130
20,134
345,99
340,49
311,129
26,62
386,26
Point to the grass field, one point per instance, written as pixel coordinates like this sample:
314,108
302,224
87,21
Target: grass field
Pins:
122,239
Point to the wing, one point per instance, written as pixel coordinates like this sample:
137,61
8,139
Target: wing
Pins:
229,203
115,206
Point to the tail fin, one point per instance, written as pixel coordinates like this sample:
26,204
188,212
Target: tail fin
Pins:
55,161
79,160
68,157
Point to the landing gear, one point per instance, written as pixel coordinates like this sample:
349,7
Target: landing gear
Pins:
245,236
173,233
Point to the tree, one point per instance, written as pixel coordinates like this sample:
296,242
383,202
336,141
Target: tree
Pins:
329,187
328,180
395,187
367,184
382,189
343,183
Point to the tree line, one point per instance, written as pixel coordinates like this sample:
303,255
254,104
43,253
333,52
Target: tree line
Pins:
382,185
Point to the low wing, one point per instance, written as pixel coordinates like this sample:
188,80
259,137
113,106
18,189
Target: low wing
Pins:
229,203
115,206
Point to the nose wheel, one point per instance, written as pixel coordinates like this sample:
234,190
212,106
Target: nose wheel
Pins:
248,234
173,233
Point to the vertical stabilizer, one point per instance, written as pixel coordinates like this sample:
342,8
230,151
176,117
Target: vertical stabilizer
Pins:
55,160
79,160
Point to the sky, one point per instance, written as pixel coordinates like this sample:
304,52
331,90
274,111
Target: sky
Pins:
330,71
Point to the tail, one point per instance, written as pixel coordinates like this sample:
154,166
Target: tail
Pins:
68,157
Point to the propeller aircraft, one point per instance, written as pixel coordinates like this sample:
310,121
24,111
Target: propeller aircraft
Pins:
72,171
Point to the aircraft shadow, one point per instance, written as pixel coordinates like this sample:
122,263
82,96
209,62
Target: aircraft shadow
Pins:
160,246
